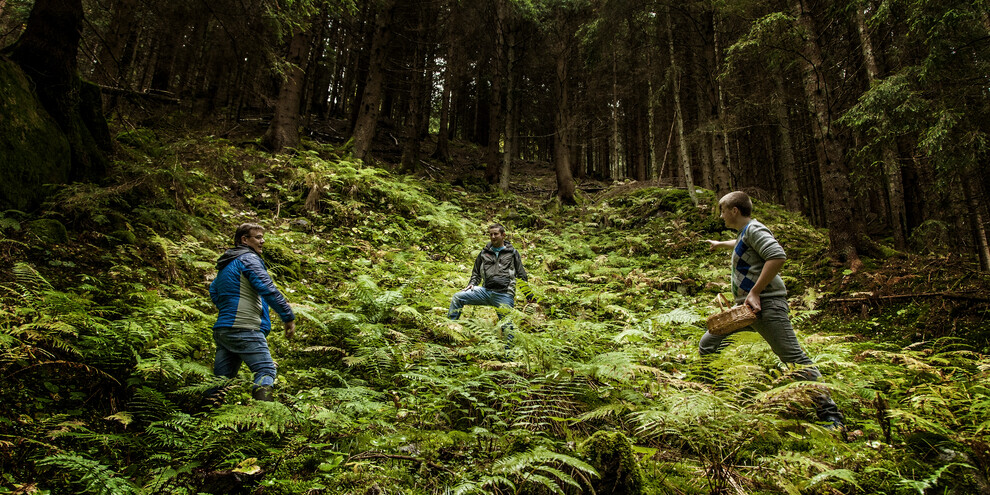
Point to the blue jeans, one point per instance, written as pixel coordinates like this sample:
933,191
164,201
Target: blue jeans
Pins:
773,323
236,345
479,296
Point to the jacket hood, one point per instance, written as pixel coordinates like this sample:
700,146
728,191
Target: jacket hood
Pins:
231,255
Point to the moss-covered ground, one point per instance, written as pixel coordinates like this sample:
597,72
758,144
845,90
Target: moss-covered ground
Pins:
106,349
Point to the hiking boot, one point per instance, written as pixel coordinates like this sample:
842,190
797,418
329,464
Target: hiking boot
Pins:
262,393
835,424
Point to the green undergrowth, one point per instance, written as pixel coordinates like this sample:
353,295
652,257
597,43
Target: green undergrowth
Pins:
106,351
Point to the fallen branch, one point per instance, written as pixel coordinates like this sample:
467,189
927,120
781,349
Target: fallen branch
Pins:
947,295
127,92
381,455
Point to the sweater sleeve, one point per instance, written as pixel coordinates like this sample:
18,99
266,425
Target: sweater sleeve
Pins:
763,241
258,276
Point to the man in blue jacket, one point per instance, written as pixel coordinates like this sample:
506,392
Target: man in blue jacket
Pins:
243,291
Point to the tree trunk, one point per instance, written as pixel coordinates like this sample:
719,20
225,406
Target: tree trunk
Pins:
721,157
510,119
110,66
682,145
976,210
891,163
442,151
704,119
640,137
499,78
410,150
651,116
562,124
833,168
616,161
371,99
283,132
47,51
789,184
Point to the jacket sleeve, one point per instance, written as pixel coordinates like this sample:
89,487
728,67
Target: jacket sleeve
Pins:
520,271
214,292
476,271
258,276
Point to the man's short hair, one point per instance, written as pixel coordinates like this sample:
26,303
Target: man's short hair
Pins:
737,199
501,229
243,230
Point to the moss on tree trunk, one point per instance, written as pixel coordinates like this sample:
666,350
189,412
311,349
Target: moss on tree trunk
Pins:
33,150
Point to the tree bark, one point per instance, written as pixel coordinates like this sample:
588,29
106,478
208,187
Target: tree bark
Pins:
442,151
976,209
891,163
110,65
704,119
410,150
721,157
789,184
833,167
616,162
47,51
283,132
562,124
511,108
682,145
371,99
499,77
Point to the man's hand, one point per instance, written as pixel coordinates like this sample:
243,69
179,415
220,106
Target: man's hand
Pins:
753,301
290,329
469,287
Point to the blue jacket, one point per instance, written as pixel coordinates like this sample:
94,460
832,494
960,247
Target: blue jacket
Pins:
243,291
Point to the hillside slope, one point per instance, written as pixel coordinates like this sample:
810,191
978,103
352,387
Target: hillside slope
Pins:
106,349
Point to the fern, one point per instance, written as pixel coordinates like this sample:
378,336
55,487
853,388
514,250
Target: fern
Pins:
89,476
270,417
540,467
547,401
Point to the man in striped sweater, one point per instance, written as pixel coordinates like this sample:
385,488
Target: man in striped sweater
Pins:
757,258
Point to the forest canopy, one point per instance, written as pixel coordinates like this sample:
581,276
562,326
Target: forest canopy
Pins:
867,116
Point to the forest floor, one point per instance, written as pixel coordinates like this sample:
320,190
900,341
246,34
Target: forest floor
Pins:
103,321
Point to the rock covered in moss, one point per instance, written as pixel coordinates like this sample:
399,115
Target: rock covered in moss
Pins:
611,453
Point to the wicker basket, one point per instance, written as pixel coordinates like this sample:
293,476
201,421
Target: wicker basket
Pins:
730,320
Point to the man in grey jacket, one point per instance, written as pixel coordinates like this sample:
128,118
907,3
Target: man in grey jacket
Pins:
496,270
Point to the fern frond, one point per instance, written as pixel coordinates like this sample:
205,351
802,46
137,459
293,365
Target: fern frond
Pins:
150,405
29,277
529,466
678,316
614,409
270,417
90,476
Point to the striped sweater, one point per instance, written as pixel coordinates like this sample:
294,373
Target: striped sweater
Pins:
754,246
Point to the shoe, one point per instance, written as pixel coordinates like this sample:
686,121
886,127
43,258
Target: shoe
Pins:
835,424
262,393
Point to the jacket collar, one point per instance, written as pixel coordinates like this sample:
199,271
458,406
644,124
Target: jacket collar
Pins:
507,244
